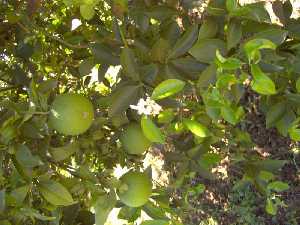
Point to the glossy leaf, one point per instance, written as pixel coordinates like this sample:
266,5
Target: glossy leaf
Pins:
197,128
151,131
271,208
253,46
167,88
261,83
278,186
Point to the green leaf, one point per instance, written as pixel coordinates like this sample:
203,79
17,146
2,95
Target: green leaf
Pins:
209,160
196,128
261,83
253,46
294,131
298,85
62,153
103,206
123,98
234,33
2,201
20,194
205,50
285,123
151,131
167,88
166,116
227,64
87,11
154,212
266,175
226,81
35,214
155,222
232,115
103,54
128,62
86,66
278,186
231,5
55,193
207,77
185,42
270,165
208,29
277,36
275,113
159,51
271,208
25,158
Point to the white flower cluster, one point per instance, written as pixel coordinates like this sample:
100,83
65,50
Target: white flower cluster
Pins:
147,107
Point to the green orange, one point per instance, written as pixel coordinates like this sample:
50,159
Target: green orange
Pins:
71,114
133,139
135,189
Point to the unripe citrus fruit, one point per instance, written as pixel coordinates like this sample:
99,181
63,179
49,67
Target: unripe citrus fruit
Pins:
133,140
135,189
71,114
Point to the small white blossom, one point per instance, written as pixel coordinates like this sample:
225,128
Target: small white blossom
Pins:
147,107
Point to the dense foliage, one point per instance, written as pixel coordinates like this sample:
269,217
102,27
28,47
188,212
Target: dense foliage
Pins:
179,89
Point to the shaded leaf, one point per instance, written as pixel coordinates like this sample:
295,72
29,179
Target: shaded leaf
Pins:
25,158
123,98
55,193
205,50
62,153
208,29
129,64
234,34
277,36
103,206
185,42
275,113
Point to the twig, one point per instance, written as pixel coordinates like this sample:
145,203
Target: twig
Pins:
23,27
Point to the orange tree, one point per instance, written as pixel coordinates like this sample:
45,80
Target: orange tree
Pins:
179,88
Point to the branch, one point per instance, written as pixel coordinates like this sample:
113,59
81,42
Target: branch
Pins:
8,88
68,44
